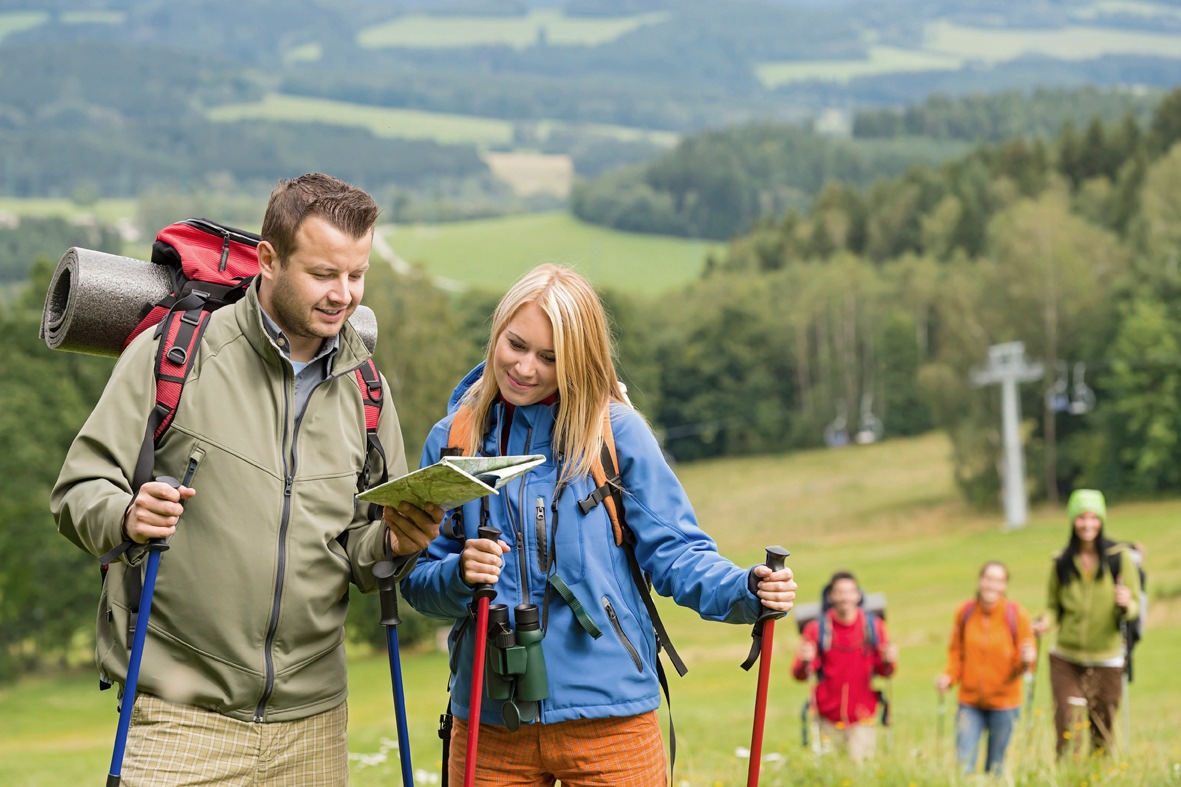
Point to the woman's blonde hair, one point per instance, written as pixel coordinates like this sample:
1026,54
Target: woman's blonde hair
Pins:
584,362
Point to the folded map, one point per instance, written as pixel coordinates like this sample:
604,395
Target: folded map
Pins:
452,481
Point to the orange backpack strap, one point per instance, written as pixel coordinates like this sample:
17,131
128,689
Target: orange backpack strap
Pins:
461,425
609,489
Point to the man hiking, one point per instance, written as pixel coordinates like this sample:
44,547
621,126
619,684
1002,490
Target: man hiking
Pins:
845,648
243,673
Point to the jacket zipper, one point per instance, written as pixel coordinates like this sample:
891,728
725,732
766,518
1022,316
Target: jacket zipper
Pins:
627,643
281,569
542,547
518,526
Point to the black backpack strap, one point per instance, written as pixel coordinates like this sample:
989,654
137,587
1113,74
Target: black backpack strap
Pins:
663,642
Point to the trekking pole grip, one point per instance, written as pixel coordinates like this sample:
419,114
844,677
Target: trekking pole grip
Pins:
161,544
776,561
485,589
387,588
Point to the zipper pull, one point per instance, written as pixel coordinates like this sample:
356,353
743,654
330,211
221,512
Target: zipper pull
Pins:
225,252
287,487
542,548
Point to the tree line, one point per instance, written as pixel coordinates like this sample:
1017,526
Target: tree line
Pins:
871,306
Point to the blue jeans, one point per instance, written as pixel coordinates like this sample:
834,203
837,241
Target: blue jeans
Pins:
970,724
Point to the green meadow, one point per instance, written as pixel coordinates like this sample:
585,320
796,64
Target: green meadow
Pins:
549,26
888,512
493,253
395,123
947,46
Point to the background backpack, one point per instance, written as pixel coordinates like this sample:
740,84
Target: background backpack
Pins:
1133,631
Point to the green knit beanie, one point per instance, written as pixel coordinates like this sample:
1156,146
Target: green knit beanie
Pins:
1086,500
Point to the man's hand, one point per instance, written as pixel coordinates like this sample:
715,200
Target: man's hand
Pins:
890,653
155,511
411,528
807,651
942,683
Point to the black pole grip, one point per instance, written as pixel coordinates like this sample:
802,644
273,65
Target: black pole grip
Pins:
776,557
387,587
161,544
485,590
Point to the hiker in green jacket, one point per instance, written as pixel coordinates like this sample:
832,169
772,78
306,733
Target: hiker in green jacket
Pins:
1094,588
243,673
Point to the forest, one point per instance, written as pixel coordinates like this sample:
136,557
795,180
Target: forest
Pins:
858,317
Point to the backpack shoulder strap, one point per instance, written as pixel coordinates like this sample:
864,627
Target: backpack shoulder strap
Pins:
608,484
610,493
965,613
1011,620
871,631
369,383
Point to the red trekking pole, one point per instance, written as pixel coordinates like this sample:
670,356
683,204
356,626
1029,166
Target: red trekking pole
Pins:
763,635
484,594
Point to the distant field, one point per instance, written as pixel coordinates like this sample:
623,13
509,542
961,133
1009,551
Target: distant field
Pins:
889,512
540,25
108,211
16,21
494,253
947,46
882,60
410,123
382,121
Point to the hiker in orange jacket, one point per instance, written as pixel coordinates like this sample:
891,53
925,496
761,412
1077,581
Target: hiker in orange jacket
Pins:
992,646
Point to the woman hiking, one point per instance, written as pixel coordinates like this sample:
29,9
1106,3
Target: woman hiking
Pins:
991,647
546,385
1094,588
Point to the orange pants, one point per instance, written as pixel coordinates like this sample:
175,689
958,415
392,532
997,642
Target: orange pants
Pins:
582,753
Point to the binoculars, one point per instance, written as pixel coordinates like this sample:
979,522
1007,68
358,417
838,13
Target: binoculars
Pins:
515,668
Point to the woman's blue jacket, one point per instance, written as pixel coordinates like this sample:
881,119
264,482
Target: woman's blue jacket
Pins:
615,674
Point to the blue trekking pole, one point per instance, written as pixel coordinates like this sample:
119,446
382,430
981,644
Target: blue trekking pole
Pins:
387,587
155,547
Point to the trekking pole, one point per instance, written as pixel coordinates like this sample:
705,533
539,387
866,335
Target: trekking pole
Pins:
484,593
1031,682
763,636
1125,679
155,547
384,571
940,717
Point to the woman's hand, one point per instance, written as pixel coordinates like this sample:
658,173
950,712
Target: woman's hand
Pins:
942,683
777,590
482,560
1123,594
1040,625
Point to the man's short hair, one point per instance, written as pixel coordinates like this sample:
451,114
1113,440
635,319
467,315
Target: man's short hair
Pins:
344,206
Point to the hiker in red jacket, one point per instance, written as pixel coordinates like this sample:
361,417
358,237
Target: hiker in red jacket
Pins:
845,648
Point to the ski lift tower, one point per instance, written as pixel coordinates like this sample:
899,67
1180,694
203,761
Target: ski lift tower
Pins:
1007,367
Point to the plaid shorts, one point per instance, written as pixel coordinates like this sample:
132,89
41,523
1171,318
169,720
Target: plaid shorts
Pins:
170,745
582,753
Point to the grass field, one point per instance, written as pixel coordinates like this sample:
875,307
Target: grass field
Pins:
108,211
948,46
493,253
549,26
888,512
394,123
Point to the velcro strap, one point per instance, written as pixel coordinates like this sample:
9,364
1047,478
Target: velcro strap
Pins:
575,605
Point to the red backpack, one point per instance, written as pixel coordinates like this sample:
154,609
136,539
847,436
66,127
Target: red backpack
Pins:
211,265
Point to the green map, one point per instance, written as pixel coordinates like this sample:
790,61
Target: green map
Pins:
452,481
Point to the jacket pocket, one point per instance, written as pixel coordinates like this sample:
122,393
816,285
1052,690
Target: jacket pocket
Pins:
627,643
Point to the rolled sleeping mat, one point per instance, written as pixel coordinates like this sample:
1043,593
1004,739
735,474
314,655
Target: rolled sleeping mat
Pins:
95,300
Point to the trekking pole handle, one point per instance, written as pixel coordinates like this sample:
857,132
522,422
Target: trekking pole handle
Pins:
776,560
387,587
486,590
161,544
